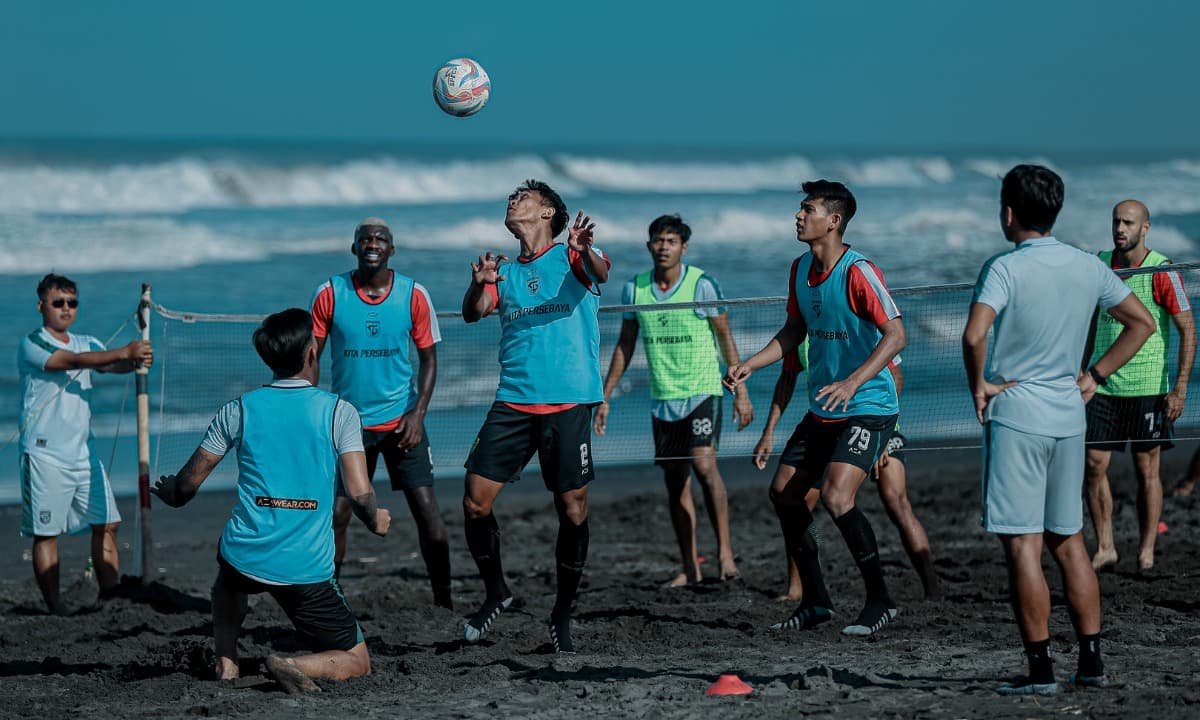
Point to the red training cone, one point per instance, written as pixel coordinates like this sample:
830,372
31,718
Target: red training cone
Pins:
729,685
1162,527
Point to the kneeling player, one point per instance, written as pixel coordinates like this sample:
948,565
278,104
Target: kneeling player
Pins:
290,438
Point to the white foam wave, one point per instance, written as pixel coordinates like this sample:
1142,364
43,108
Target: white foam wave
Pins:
896,172
668,177
107,244
190,183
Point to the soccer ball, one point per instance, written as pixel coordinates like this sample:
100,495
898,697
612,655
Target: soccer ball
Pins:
461,87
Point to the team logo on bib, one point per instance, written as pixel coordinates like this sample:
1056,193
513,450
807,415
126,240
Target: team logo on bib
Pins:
663,319
816,303
372,324
533,284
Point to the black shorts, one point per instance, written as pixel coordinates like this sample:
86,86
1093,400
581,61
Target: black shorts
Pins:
562,441
407,469
1141,422
674,439
856,440
318,611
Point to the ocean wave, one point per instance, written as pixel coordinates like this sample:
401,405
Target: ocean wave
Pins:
669,177
191,183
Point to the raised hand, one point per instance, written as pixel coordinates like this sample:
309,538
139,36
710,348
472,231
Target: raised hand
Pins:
581,235
486,270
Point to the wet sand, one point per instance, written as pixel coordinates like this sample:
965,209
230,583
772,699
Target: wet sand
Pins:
645,651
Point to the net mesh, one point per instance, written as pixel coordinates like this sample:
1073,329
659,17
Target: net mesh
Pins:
207,359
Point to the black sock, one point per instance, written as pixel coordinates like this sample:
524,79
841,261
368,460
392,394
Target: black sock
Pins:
483,540
571,553
800,532
1090,664
1041,667
437,564
860,539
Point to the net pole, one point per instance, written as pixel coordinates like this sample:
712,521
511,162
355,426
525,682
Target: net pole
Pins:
143,562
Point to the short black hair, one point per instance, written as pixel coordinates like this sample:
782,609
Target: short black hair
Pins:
55,282
836,196
671,224
1035,194
282,340
550,199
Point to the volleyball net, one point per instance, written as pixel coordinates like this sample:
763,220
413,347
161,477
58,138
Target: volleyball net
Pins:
202,360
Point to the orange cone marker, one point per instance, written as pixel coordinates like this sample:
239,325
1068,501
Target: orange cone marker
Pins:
1162,527
729,684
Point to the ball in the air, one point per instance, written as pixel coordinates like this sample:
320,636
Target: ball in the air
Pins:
461,87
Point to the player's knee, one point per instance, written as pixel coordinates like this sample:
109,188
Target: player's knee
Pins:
837,503
361,664
895,499
1095,466
475,509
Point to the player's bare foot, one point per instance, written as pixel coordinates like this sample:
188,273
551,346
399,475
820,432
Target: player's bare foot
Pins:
1184,489
682,580
729,571
1104,558
1146,560
792,595
227,671
289,676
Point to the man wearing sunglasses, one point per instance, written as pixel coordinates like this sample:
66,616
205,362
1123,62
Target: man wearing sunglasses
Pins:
64,488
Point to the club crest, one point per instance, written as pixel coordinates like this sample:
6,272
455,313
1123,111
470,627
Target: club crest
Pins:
372,324
533,283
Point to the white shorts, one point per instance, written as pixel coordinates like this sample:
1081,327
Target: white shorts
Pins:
57,500
1031,482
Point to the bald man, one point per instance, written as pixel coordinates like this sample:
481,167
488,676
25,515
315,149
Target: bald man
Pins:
1137,404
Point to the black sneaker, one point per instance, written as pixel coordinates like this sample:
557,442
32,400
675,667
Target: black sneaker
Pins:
560,634
1024,685
479,623
805,618
870,621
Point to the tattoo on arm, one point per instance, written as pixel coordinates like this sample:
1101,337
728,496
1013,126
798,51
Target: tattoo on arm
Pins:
364,508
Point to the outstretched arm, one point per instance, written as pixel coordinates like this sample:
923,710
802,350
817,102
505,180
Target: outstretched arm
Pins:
786,340
122,360
622,354
179,489
580,237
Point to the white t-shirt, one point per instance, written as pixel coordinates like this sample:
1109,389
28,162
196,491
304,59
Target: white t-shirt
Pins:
1044,293
56,416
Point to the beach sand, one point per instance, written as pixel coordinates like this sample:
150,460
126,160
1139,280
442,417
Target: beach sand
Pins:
645,651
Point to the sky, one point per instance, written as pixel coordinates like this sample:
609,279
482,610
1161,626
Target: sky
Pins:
1017,74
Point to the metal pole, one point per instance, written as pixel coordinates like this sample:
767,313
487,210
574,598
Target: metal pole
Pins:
143,564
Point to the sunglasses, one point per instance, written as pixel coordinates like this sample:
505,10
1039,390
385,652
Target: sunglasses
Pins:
59,302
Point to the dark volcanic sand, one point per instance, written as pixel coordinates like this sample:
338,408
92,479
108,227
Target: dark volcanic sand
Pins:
644,651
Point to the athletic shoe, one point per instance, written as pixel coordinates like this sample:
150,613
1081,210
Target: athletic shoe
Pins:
805,618
1091,681
479,623
870,621
560,634
1024,685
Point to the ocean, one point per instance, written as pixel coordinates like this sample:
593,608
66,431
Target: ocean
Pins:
255,227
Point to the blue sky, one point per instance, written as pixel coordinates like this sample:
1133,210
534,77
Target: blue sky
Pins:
999,75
